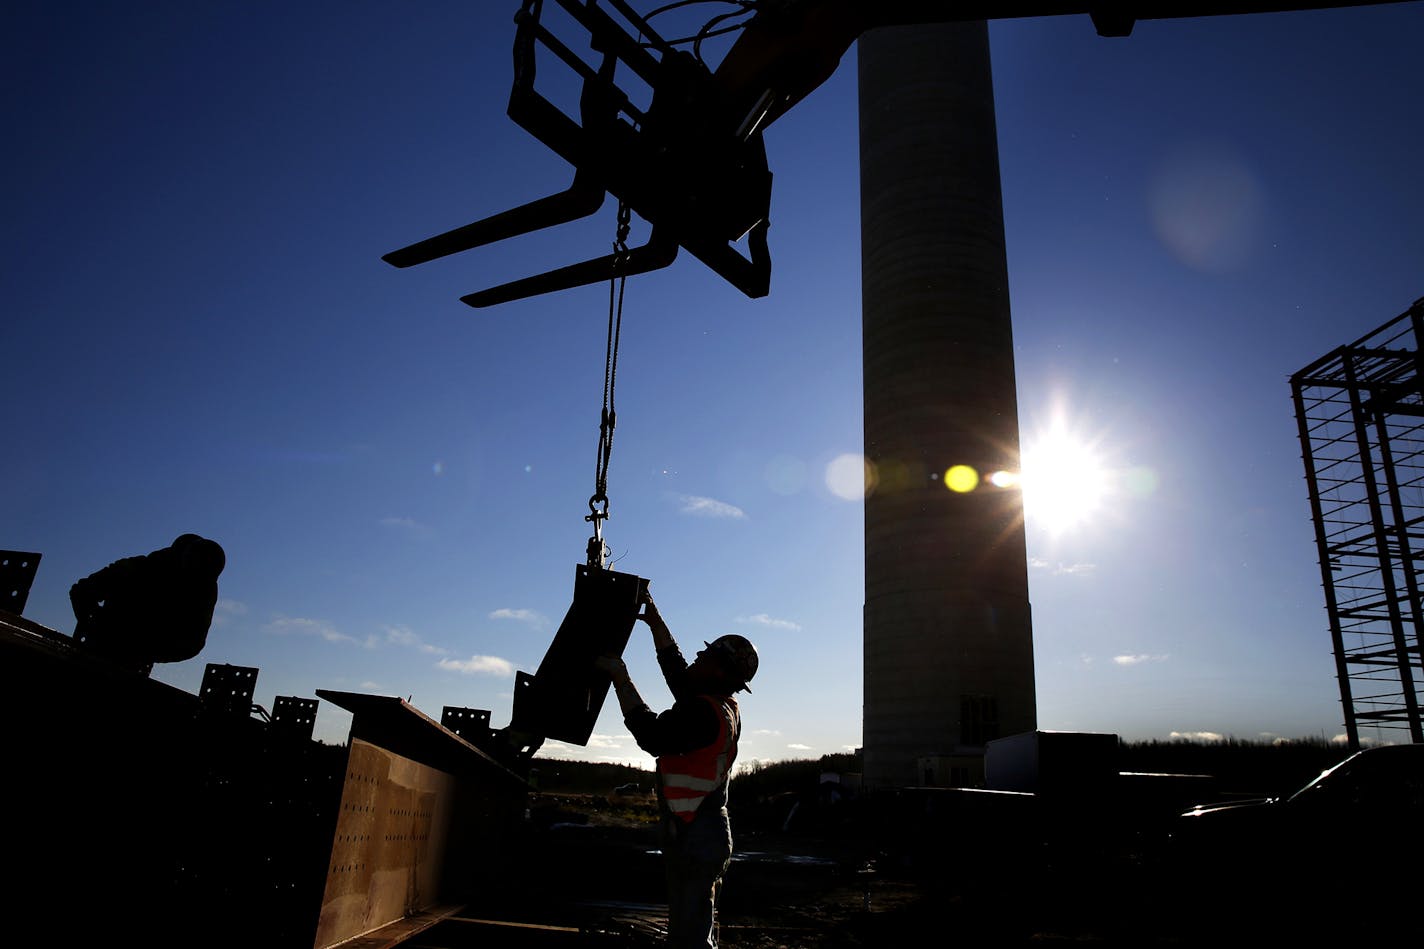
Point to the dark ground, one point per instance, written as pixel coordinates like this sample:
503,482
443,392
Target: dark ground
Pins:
589,861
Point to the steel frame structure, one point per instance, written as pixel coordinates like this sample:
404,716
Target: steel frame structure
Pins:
1360,411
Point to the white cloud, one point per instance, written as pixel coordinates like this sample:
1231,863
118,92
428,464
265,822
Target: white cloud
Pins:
1365,740
560,750
284,625
402,522
762,619
226,609
405,636
1062,569
522,616
797,746
1138,659
401,636
373,686
745,764
609,742
553,750
1197,736
620,759
767,731
479,665
709,507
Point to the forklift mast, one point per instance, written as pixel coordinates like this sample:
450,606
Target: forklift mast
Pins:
681,164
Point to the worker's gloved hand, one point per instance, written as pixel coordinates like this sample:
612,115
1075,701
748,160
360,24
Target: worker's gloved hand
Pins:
662,636
613,666
650,614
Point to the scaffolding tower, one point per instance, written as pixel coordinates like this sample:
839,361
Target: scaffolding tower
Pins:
1360,410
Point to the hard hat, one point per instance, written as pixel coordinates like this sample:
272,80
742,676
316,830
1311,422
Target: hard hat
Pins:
738,655
200,554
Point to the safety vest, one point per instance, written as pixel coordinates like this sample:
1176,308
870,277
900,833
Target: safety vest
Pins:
688,778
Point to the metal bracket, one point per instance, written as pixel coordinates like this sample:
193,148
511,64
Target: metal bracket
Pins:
17,575
293,717
471,724
226,692
562,700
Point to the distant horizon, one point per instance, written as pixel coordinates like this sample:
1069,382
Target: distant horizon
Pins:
566,752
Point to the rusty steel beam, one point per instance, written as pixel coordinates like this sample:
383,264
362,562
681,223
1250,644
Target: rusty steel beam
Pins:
419,807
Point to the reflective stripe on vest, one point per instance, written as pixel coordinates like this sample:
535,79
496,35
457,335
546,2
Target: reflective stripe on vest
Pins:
687,779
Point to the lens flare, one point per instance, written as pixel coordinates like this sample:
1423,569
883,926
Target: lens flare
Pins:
852,477
1004,479
961,479
1207,207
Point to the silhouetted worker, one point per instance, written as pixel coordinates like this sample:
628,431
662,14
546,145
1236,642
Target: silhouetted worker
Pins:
152,608
695,743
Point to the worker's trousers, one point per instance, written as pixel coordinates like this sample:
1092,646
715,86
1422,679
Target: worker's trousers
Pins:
696,855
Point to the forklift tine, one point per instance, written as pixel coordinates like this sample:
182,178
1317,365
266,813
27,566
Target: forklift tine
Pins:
657,253
580,200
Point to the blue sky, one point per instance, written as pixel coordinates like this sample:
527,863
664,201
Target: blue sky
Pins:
200,335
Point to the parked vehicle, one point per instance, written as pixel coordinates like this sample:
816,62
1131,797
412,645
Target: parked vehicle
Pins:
1375,785
1322,857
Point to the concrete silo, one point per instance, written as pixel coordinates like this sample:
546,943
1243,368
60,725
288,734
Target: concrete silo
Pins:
948,640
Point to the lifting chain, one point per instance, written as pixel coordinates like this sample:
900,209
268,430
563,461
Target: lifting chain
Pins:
598,503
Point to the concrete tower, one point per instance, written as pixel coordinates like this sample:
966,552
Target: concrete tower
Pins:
948,640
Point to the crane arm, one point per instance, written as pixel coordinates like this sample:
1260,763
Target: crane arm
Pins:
790,47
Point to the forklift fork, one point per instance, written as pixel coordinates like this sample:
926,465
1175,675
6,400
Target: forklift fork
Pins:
678,164
657,253
582,198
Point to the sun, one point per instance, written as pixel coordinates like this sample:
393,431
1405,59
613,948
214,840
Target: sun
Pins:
1064,480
